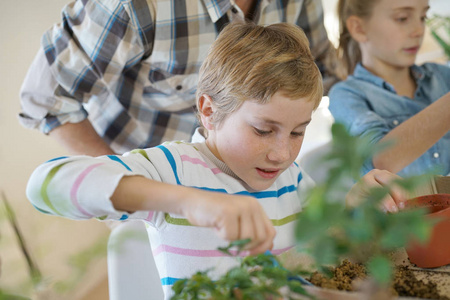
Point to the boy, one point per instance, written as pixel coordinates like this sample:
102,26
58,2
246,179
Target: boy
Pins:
257,90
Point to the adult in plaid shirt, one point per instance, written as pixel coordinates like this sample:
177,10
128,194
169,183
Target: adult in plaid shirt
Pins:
116,75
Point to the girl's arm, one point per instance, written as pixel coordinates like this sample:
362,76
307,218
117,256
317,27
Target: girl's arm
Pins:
234,217
415,136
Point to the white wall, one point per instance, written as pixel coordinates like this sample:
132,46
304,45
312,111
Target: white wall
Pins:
51,239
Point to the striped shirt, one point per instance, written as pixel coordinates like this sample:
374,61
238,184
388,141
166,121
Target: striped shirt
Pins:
132,66
79,187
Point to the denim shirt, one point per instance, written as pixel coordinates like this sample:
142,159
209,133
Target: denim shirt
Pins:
368,105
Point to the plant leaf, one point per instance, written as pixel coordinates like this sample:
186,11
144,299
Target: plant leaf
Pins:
380,268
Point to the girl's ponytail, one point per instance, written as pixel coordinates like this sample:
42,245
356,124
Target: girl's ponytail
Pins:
348,53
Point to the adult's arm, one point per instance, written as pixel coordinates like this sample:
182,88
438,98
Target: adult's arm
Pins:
311,20
80,59
415,136
81,139
40,95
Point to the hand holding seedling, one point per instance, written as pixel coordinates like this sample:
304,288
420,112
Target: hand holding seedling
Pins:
234,217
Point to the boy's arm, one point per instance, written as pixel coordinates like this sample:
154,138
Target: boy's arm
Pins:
109,187
234,217
415,136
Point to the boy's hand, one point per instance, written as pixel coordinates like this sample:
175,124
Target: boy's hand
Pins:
234,217
393,202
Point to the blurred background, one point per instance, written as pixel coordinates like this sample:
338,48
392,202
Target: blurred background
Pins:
70,255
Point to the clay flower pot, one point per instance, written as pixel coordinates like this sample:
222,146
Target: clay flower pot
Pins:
436,252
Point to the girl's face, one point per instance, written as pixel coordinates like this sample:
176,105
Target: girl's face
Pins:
393,33
259,141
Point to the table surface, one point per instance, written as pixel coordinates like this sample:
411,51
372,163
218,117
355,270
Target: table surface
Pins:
439,275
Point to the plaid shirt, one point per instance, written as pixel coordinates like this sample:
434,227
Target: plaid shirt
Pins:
132,66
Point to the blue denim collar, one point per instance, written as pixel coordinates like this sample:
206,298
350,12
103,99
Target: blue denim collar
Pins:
419,73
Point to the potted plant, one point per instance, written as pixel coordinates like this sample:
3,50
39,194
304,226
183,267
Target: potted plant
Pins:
362,233
328,231
436,252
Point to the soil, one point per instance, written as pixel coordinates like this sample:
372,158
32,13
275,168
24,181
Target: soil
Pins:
405,283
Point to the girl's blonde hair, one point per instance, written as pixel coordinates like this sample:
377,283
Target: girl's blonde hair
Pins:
348,52
252,62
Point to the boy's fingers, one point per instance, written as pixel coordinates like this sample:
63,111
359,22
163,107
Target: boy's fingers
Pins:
263,233
246,221
266,238
247,231
258,234
261,248
259,229
269,235
229,229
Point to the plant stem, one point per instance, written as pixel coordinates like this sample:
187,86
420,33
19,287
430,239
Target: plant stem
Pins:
32,267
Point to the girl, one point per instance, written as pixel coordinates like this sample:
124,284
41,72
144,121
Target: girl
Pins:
254,99
387,96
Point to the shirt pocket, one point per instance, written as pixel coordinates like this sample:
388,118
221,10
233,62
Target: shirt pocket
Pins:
169,92
172,84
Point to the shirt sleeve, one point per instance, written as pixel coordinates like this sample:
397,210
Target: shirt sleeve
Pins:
80,187
83,58
311,20
350,107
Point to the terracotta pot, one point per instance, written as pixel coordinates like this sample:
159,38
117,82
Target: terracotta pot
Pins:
436,252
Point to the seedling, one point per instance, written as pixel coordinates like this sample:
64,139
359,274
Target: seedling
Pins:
257,277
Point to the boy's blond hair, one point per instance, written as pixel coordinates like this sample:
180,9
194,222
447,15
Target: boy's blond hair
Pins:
252,62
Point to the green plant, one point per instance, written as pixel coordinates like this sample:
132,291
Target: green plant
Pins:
327,229
257,277
40,286
34,272
440,30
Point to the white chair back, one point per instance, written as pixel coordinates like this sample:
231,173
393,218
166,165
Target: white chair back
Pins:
132,273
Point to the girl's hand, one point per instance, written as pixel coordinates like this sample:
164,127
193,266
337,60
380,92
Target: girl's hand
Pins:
393,202
234,217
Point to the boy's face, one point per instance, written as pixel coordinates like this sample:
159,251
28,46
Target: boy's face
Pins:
259,141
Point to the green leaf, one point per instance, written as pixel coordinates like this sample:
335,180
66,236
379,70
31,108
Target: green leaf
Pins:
361,232
240,244
380,268
297,287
